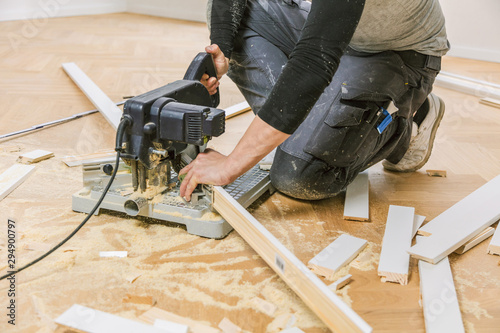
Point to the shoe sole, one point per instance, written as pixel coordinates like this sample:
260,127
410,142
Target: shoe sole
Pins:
431,139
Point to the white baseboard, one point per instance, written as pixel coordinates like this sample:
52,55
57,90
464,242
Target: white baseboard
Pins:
475,53
191,10
35,10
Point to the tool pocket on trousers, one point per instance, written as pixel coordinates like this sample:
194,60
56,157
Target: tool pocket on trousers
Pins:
344,136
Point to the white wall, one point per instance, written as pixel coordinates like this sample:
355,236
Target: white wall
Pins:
193,10
473,28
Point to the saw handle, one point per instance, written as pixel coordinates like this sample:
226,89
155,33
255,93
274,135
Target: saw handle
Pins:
203,63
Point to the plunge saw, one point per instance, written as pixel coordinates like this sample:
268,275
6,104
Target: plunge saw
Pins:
166,129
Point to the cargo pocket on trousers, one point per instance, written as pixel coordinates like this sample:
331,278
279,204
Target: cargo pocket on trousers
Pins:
344,136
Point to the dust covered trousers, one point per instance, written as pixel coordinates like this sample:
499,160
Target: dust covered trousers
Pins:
292,62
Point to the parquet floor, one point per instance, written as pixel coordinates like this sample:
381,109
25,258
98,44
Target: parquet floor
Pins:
206,280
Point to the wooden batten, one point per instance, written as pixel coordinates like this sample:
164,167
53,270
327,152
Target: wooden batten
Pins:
488,232
14,176
237,109
357,204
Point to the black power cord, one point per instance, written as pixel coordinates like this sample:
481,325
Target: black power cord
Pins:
119,134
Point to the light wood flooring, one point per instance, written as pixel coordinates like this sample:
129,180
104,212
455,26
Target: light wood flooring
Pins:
206,280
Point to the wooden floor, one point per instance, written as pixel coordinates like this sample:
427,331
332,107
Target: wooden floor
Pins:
204,279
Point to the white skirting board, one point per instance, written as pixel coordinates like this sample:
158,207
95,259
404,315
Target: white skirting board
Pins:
357,204
35,156
494,247
13,177
94,321
394,260
460,223
101,101
488,232
417,223
336,255
468,86
439,297
237,109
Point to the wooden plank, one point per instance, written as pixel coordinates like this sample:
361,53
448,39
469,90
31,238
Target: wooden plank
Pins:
106,106
488,232
460,223
357,204
467,86
195,327
94,321
336,255
490,102
340,283
439,297
237,109
100,156
321,300
13,177
494,247
417,223
35,156
394,260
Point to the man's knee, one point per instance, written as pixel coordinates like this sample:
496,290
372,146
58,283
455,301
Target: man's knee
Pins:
302,179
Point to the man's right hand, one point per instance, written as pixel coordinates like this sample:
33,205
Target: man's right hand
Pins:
221,65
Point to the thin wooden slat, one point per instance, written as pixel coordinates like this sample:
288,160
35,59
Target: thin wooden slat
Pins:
101,101
94,321
460,223
488,232
439,297
322,301
35,156
237,109
357,205
13,177
490,102
152,314
394,260
340,283
494,247
336,255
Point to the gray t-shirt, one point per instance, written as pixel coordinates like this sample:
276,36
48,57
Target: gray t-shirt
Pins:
400,25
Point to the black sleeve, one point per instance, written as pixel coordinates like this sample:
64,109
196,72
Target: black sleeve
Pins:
312,64
225,20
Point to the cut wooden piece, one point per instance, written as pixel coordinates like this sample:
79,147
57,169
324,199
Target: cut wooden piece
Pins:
266,307
100,156
460,223
394,260
227,326
439,297
106,106
110,254
468,86
436,173
490,102
488,232
195,327
171,327
494,247
13,177
357,205
340,283
322,301
417,223
336,255
35,156
237,109
89,320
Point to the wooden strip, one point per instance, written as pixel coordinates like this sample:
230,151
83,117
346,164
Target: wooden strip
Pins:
237,109
106,106
439,297
322,301
227,326
494,247
340,283
417,223
336,255
394,260
195,327
13,177
35,156
89,320
488,232
96,157
490,102
357,205
460,223
467,86
171,327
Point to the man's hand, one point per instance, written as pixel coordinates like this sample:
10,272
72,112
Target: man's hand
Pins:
221,65
209,167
